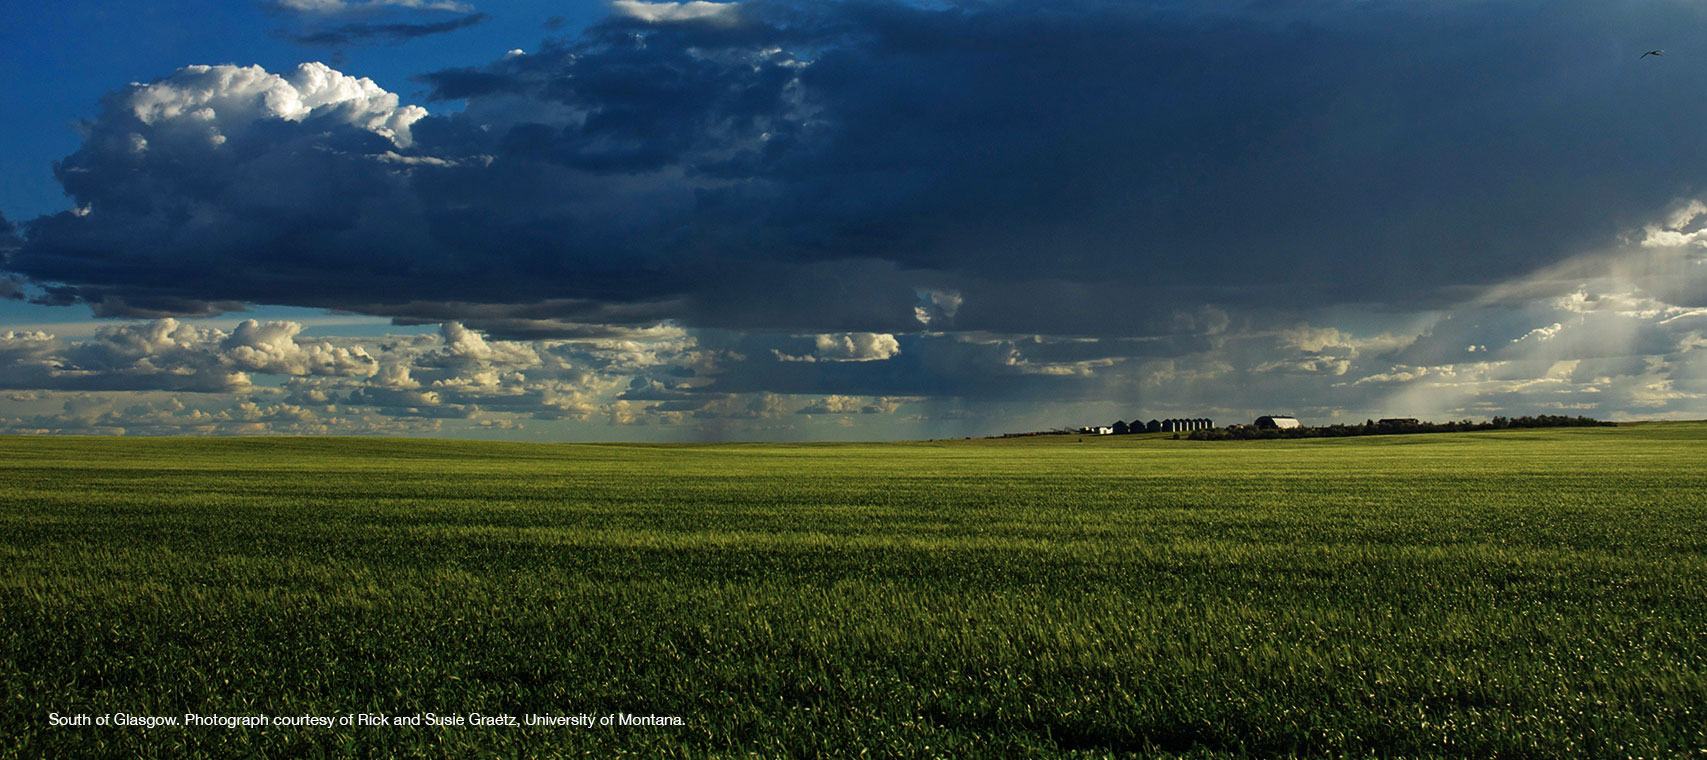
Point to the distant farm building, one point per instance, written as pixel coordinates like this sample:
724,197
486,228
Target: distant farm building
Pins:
1277,422
1183,425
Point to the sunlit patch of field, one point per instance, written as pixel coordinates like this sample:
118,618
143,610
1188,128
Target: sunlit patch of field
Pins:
1533,593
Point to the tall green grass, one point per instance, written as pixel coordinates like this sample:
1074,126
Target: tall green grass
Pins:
1506,594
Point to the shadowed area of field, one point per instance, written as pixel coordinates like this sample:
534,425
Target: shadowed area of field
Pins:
1526,593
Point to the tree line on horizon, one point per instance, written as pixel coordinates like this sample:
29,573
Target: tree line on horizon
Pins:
1395,427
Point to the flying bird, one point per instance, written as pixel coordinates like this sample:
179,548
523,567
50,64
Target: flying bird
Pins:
1650,52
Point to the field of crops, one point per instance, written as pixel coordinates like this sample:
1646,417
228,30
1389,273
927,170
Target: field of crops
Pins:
1534,593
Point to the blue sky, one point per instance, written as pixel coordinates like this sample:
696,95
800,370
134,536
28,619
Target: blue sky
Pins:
805,220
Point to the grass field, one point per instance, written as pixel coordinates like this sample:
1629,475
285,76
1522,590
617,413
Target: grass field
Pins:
1525,593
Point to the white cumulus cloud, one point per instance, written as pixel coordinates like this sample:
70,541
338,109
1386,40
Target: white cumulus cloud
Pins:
848,347
271,348
663,13
217,101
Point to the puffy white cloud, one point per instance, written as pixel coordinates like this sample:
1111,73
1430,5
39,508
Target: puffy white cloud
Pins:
158,414
162,354
271,348
665,13
1683,227
467,346
395,375
15,345
457,376
848,347
169,354
857,347
1541,333
215,102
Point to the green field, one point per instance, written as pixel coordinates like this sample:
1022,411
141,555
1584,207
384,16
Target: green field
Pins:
1523,593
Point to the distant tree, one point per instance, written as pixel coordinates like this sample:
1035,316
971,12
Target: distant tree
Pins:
1393,426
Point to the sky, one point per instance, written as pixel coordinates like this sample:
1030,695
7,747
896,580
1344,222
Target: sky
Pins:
861,220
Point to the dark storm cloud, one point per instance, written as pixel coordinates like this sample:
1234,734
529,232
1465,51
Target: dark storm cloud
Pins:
11,288
1069,168
338,23
365,33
